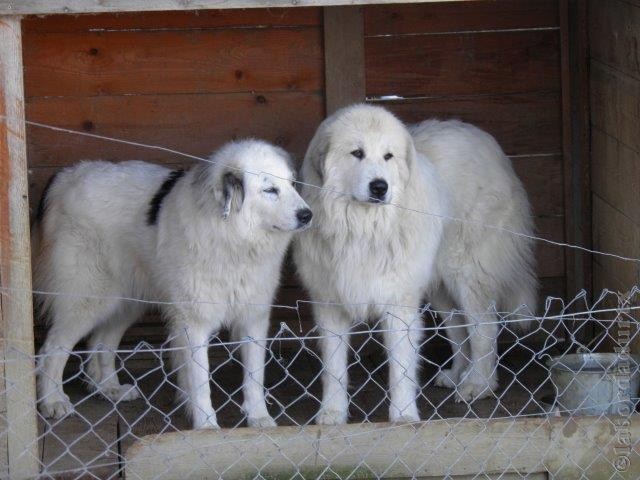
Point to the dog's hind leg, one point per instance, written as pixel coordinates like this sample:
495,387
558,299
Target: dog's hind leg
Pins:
72,320
252,331
480,379
458,338
334,347
402,338
102,364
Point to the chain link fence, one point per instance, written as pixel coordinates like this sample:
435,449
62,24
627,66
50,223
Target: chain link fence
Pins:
567,391
563,408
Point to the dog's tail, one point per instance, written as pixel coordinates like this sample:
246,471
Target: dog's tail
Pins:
42,206
42,303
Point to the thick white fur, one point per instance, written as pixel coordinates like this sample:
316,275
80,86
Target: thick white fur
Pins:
479,269
376,254
94,239
375,260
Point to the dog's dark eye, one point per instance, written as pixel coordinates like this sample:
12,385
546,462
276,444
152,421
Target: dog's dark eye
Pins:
358,153
272,190
388,156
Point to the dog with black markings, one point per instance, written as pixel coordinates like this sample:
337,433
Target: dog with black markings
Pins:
207,242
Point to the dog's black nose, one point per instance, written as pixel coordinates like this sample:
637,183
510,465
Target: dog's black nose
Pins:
378,188
304,216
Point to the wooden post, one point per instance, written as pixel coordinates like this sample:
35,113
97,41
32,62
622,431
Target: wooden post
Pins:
343,57
575,132
15,262
575,151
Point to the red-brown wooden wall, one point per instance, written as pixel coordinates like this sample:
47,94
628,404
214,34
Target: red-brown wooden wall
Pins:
494,64
191,81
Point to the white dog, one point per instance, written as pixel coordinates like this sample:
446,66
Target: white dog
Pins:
383,239
367,259
210,240
482,266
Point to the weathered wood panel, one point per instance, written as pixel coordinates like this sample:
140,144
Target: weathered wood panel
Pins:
16,344
191,61
155,21
614,100
473,63
616,174
460,17
616,233
542,178
615,143
565,448
391,452
344,66
614,28
523,124
196,124
27,7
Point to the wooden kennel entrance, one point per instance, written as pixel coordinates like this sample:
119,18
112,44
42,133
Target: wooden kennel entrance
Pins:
553,80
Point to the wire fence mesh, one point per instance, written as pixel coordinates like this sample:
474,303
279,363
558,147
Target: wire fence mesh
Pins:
567,391
549,380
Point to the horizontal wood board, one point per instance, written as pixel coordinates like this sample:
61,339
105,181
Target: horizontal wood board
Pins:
190,81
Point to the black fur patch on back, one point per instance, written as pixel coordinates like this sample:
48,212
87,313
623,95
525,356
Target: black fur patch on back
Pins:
163,191
42,206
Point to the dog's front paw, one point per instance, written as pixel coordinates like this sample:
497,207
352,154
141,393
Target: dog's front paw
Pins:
208,425
261,422
404,419
409,414
331,417
56,406
202,421
447,378
120,393
475,387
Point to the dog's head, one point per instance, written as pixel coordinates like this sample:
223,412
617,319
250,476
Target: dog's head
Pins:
362,151
251,181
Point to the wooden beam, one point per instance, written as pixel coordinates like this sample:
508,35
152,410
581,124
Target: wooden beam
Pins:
575,130
567,448
343,57
15,261
43,7
376,450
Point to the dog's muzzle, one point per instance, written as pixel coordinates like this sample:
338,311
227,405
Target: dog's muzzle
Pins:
304,216
378,190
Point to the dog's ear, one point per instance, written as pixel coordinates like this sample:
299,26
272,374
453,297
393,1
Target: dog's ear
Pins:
232,192
313,165
411,154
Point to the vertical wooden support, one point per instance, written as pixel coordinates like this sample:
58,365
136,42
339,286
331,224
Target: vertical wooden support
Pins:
575,129
343,56
15,261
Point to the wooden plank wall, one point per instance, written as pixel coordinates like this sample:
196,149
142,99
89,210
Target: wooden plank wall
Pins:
614,35
192,81
494,64
188,81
